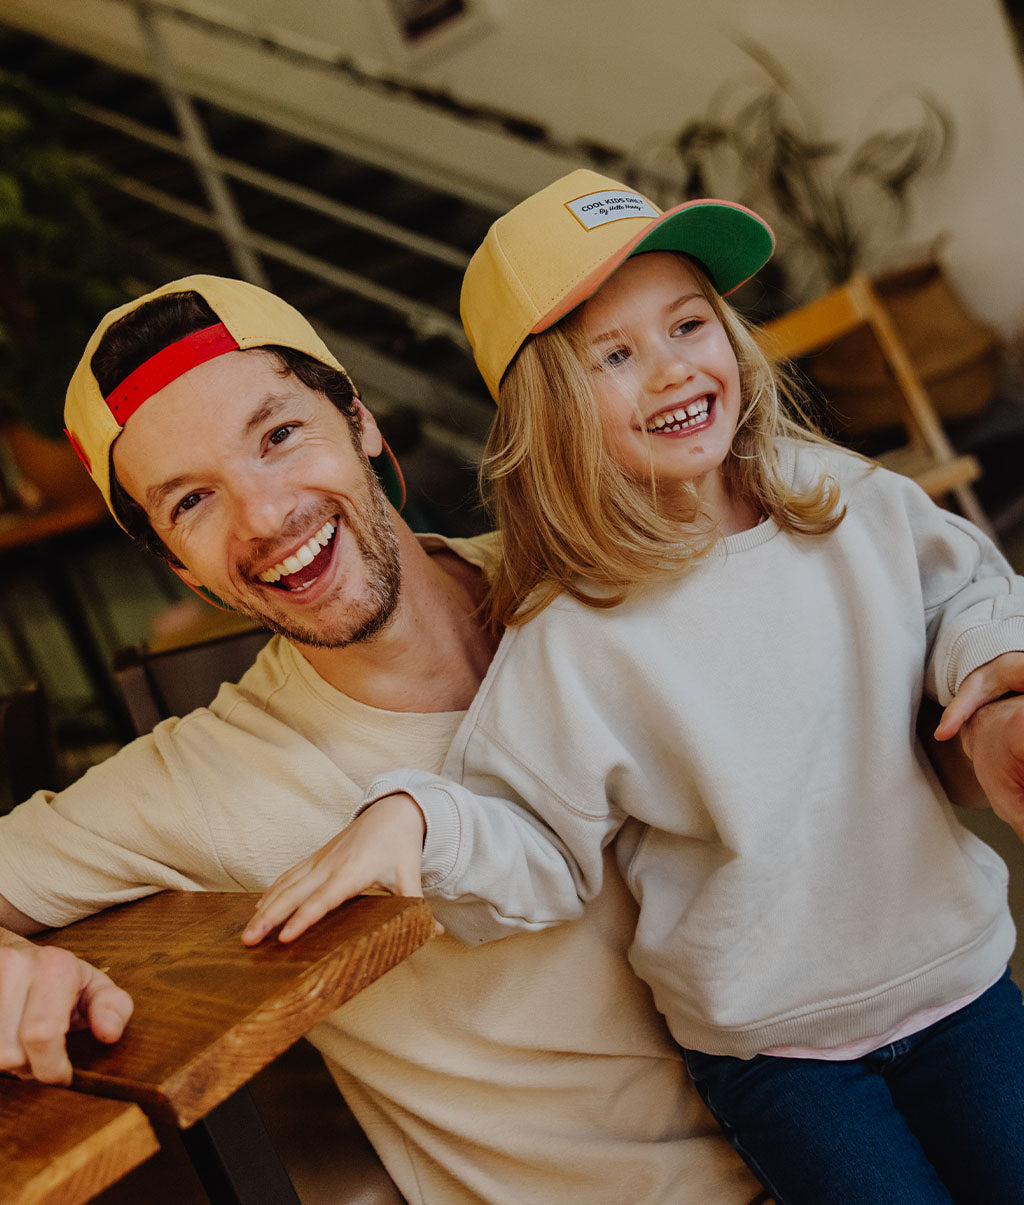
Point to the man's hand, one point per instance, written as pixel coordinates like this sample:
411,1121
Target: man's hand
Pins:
44,993
991,730
381,848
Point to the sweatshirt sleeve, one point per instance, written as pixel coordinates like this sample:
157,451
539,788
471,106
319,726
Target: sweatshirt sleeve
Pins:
130,826
974,602
491,864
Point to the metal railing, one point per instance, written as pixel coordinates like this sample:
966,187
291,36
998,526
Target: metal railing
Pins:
443,403
251,252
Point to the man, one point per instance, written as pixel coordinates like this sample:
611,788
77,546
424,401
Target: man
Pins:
225,436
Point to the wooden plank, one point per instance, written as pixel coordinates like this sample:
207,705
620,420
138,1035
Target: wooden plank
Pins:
936,478
811,326
61,1148
210,1012
930,457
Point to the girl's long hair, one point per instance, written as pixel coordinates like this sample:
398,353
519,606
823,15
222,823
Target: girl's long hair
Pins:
572,520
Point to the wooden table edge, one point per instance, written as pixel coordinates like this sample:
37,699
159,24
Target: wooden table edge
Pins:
322,982
75,1176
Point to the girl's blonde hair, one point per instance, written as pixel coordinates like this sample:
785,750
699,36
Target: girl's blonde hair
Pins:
571,519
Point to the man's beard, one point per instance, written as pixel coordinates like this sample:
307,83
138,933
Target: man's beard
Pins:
364,617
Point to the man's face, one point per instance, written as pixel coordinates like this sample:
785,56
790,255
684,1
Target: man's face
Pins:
262,490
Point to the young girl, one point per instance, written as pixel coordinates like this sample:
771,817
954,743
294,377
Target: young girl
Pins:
719,631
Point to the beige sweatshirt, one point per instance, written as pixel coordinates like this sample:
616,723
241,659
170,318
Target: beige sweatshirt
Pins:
530,1072
745,734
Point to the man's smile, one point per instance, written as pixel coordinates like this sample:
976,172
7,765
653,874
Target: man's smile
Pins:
299,570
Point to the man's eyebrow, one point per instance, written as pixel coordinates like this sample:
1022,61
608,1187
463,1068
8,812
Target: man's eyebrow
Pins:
264,411
156,495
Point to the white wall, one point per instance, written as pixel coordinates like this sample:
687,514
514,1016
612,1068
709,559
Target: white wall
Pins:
622,73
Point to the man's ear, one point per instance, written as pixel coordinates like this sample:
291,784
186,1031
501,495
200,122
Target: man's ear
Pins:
186,576
370,439
197,587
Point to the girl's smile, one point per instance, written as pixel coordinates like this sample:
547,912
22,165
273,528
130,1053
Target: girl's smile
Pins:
681,418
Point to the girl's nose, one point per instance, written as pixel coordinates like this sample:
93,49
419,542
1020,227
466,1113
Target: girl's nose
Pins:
667,367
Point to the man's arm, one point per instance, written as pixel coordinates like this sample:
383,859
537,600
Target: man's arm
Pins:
988,714
44,993
16,921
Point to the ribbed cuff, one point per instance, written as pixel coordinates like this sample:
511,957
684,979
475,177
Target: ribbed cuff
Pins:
441,842
981,644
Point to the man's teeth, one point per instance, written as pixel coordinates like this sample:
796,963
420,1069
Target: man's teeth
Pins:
686,416
300,558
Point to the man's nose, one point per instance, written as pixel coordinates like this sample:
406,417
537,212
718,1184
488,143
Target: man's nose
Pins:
260,507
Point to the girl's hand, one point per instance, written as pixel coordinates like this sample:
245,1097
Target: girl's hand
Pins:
1002,675
382,848
991,732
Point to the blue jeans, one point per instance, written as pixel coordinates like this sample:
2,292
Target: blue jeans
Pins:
934,1118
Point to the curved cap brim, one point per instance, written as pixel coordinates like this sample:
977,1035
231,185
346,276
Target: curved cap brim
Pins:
729,241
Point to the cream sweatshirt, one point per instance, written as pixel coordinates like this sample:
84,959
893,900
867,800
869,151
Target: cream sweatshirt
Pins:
525,1072
745,735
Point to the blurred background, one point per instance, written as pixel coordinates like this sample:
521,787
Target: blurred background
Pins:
349,154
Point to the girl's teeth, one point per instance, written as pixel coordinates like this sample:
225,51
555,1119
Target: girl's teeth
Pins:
685,416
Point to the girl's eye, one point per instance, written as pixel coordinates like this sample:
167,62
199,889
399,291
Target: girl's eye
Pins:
688,326
614,358
280,434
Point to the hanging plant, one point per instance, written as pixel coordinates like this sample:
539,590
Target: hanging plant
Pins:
831,204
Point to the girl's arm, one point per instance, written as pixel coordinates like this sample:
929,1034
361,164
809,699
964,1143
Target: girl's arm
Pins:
974,609
379,851
489,866
513,838
974,605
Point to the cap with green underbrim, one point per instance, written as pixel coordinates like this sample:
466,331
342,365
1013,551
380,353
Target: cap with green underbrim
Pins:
555,249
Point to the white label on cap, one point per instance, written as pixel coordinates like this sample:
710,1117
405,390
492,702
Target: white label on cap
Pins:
599,208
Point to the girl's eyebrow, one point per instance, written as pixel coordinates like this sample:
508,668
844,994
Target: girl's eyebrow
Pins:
682,299
607,336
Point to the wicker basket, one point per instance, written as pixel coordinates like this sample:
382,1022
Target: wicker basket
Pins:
955,354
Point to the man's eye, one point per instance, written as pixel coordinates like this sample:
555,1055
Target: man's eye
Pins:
186,504
280,434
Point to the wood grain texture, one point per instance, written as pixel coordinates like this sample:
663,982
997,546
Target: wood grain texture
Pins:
210,1012
61,1148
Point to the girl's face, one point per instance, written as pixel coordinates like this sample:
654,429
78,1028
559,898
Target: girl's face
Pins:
663,373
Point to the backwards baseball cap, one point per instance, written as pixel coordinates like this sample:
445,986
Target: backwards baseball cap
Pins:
248,316
555,249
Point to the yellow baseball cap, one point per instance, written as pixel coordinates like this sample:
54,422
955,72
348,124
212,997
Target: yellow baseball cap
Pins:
555,249
248,317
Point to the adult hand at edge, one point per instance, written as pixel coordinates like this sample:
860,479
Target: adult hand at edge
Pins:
988,715
1000,676
45,992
